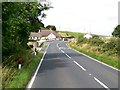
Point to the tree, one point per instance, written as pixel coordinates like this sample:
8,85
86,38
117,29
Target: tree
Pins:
18,20
116,31
52,27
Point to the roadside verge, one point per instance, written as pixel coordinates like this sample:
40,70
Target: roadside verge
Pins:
33,77
111,64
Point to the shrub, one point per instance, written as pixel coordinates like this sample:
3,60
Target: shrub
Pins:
111,45
42,44
81,40
96,41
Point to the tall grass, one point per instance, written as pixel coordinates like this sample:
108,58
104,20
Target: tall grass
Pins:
109,61
20,77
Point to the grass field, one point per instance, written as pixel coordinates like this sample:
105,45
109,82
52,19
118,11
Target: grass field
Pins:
68,33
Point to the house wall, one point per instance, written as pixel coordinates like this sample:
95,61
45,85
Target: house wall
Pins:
51,37
88,36
35,44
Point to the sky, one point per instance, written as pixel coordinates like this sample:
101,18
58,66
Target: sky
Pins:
87,16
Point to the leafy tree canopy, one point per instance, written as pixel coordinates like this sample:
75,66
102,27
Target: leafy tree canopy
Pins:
116,31
52,27
18,20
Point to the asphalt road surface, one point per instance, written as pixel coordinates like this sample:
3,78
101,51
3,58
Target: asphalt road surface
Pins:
63,67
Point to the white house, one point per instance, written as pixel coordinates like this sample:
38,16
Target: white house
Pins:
88,36
49,34
37,38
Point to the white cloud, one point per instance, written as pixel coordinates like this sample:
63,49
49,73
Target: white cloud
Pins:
96,16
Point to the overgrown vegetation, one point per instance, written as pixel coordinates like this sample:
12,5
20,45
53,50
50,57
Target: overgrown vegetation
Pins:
105,51
102,58
18,78
116,31
18,20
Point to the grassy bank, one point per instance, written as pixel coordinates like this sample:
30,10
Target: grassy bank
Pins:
20,78
101,58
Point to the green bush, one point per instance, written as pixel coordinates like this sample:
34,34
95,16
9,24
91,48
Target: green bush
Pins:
42,44
96,41
111,45
81,40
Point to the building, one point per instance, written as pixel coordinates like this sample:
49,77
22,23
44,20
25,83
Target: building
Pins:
88,36
49,34
35,36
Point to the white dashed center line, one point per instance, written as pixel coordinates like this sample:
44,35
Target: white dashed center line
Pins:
101,83
68,56
90,74
80,66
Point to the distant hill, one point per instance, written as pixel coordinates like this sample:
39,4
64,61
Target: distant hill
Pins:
69,34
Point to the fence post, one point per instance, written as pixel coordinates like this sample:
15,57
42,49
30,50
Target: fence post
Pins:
19,62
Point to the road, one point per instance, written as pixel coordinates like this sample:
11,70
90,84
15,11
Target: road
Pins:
63,67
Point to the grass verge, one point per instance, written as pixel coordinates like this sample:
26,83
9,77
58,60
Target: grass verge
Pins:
22,76
104,59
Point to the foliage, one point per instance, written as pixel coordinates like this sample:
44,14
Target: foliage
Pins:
116,31
107,51
95,36
52,27
101,58
81,40
42,44
111,45
18,20
95,41
75,34
14,78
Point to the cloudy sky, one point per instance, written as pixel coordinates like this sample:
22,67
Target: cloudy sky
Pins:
95,16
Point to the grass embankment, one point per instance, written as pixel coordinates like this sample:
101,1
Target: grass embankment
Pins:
18,78
97,55
68,33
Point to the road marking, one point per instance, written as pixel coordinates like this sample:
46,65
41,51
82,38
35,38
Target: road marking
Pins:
68,56
80,66
57,45
96,60
101,83
62,51
90,74
33,77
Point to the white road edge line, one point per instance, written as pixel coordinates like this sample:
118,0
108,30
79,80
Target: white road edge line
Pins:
95,60
101,83
68,56
33,77
80,66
